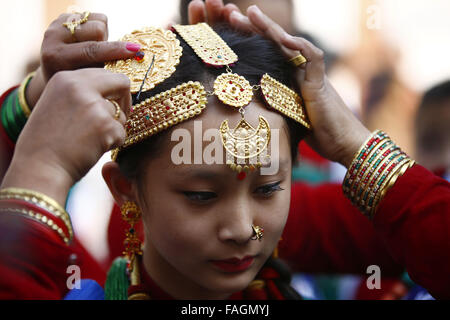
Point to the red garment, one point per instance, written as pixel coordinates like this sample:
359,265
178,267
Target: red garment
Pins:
34,259
324,233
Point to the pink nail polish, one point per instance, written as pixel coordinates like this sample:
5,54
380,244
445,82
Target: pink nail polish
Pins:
134,47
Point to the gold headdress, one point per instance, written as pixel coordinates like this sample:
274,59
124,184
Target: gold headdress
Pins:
161,44
245,145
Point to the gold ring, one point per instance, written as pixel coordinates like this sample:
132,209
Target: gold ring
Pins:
71,25
297,61
118,110
258,233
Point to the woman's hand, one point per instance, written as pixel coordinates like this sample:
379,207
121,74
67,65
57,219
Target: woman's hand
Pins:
86,48
337,134
71,127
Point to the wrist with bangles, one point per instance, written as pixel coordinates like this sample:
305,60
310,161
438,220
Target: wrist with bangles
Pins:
39,207
15,110
374,170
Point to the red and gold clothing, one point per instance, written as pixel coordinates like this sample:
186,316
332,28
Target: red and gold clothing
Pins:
324,233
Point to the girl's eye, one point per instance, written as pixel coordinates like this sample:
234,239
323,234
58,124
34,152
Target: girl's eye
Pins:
269,189
200,196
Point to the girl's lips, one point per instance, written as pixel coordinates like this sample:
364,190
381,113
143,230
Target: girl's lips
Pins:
234,264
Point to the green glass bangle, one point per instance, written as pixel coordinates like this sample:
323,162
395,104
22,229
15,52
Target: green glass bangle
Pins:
4,117
20,117
15,129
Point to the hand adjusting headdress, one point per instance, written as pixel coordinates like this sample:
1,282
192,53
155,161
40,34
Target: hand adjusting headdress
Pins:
245,145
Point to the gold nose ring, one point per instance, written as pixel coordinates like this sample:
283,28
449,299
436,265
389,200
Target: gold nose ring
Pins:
258,233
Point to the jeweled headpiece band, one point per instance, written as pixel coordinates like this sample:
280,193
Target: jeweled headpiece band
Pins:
244,144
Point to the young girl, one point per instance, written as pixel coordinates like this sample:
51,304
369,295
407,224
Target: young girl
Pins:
208,232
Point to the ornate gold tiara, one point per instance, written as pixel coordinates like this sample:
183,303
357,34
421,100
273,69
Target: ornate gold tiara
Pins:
243,144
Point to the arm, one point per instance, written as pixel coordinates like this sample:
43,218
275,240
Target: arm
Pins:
414,221
32,249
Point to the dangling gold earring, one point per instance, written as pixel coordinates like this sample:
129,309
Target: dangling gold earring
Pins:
132,245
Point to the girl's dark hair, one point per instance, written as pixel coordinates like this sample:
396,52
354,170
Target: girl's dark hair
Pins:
257,56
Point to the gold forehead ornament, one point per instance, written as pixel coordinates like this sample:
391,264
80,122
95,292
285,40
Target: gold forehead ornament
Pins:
246,147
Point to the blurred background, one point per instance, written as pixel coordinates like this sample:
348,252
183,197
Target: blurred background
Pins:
381,55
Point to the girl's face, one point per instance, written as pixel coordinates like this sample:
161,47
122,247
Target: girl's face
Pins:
198,218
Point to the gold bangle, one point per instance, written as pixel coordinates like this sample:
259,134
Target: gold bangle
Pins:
376,190
375,175
401,168
42,219
392,181
42,201
21,93
350,174
366,165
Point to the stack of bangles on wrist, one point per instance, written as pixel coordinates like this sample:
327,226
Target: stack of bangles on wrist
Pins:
15,110
373,171
38,207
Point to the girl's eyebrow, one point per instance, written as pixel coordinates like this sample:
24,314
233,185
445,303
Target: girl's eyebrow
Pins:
216,172
194,172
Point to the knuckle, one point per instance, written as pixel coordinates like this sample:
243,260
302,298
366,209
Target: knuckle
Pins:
103,17
320,54
99,30
63,78
124,82
91,51
48,33
113,137
63,17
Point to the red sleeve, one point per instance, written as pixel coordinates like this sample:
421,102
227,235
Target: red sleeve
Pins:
414,220
325,233
34,260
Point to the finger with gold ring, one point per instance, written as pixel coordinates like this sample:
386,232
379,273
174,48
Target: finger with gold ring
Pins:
297,61
72,24
118,110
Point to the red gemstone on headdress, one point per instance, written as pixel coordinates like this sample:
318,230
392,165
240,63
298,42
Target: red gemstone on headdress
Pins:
241,175
139,56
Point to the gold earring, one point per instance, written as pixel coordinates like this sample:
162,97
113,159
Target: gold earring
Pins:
258,233
132,245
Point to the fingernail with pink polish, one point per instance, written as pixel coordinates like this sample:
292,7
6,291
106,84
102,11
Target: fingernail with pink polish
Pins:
134,47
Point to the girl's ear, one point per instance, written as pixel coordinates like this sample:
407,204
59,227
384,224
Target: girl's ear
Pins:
120,186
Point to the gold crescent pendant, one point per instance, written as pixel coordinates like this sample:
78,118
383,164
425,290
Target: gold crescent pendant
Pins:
245,142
